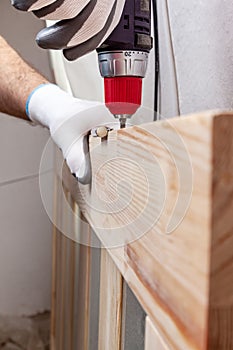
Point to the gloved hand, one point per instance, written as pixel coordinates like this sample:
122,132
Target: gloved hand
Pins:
84,24
69,119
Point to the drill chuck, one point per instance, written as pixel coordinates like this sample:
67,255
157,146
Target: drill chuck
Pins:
123,72
123,63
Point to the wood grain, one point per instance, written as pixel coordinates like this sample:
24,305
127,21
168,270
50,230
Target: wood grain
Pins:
174,250
54,315
64,280
153,340
110,304
83,293
72,277
56,273
220,335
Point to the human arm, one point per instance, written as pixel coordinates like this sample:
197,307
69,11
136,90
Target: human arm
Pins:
17,80
68,119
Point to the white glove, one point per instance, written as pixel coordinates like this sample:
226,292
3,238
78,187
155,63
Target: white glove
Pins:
69,120
84,24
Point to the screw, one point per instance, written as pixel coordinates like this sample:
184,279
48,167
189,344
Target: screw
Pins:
101,131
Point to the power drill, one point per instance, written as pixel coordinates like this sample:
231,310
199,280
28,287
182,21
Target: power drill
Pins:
123,59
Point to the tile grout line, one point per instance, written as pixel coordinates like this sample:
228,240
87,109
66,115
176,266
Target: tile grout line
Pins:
24,178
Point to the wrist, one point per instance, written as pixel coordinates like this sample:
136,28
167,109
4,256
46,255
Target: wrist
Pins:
51,107
28,101
47,103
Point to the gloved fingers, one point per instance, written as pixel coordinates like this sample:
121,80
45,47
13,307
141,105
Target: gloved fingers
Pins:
104,10
70,130
92,27
94,20
78,160
30,5
84,24
75,156
63,9
60,34
84,48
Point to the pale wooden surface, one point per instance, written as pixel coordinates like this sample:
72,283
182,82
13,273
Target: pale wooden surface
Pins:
54,274
110,308
83,301
70,281
56,280
183,280
153,340
70,295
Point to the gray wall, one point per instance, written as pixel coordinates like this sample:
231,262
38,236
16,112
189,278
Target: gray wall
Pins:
196,55
25,230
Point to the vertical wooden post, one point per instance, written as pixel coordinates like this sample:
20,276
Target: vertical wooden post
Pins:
111,293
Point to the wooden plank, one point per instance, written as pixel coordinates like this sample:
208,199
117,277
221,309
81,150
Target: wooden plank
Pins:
72,296
67,274
70,272
56,273
63,287
220,335
83,300
178,265
110,304
94,298
54,315
62,276
153,340
76,296
58,292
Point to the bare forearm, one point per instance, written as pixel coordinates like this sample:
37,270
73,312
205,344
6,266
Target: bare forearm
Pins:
17,80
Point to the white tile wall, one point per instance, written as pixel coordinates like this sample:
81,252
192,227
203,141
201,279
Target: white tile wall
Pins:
25,250
25,230
202,33
21,146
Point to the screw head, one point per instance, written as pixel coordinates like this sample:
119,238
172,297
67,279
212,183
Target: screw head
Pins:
102,132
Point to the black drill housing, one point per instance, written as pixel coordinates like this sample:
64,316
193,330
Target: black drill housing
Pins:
134,29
